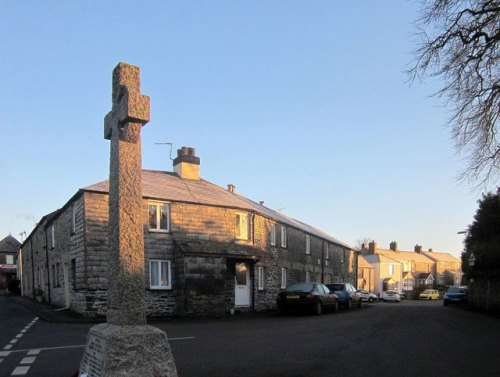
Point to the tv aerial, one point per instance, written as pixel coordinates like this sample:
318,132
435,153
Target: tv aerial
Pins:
171,145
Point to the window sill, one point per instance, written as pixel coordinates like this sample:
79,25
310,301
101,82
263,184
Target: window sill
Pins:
160,288
158,231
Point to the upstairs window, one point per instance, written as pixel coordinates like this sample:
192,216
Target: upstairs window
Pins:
159,274
283,236
242,226
308,244
159,217
73,219
273,235
327,252
52,236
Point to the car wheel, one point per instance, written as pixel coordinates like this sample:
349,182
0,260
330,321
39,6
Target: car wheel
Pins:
318,308
283,310
370,299
359,304
349,304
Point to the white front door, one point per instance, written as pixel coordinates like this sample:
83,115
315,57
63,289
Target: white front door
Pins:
242,285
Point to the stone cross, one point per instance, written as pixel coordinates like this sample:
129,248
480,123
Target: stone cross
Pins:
122,125
126,345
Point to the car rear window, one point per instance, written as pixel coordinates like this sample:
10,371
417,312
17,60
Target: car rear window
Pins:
335,287
456,290
301,287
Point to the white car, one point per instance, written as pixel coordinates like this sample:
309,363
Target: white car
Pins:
367,296
390,296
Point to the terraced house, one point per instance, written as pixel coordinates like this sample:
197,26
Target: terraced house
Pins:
207,249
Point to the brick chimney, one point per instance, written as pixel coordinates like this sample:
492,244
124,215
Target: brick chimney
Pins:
372,246
231,187
186,164
393,246
418,248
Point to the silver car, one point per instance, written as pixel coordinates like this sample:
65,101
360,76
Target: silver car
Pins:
367,296
390,296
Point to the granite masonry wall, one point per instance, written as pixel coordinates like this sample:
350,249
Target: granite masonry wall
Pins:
202,250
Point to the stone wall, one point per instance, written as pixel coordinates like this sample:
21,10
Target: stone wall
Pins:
202,249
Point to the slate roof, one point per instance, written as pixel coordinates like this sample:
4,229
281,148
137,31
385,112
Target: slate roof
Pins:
169,186
9,245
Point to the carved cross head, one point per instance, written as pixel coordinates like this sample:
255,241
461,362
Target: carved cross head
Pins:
130,108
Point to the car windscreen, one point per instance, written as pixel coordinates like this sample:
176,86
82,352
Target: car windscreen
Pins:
301,287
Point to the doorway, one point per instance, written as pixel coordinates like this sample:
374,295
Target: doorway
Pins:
242,284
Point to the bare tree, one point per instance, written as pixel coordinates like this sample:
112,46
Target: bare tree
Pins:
458,41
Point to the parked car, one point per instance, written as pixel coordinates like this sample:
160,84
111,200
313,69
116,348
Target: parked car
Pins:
367,296
429,294
312,296
346,293
456,295
390,295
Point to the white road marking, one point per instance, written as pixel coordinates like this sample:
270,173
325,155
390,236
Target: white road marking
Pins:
28,360
8,347
13,341
20,371
19,335
33,352
4,353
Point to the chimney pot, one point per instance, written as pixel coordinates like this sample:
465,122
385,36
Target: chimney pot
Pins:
393,246
261,202
372,246
230,187
418,248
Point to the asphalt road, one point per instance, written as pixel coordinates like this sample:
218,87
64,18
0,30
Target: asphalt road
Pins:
382,339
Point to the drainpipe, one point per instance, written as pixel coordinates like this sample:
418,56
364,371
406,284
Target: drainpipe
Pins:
47,265
32,270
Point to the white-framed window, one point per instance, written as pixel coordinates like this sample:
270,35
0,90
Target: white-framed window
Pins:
159,217
260,278
273,235
283,278
327,252
242,226
159,274
308,244
283,236
73,219
391,269
9,259
308,276
52,236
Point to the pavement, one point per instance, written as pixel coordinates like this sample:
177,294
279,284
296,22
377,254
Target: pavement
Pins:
48,312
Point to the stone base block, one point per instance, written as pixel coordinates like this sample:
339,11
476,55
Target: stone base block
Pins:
121,351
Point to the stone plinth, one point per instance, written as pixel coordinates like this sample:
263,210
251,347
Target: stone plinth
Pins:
123,351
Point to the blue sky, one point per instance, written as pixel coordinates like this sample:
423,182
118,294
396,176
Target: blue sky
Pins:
302,104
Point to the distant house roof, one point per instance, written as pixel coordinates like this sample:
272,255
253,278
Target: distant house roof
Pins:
424,276
405,255
363,263
9,245
169,186
441,257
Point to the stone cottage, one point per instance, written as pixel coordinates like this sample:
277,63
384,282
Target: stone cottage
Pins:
9,247
207,249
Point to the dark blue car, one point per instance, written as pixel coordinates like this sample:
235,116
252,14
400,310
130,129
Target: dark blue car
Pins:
346,293
456,295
